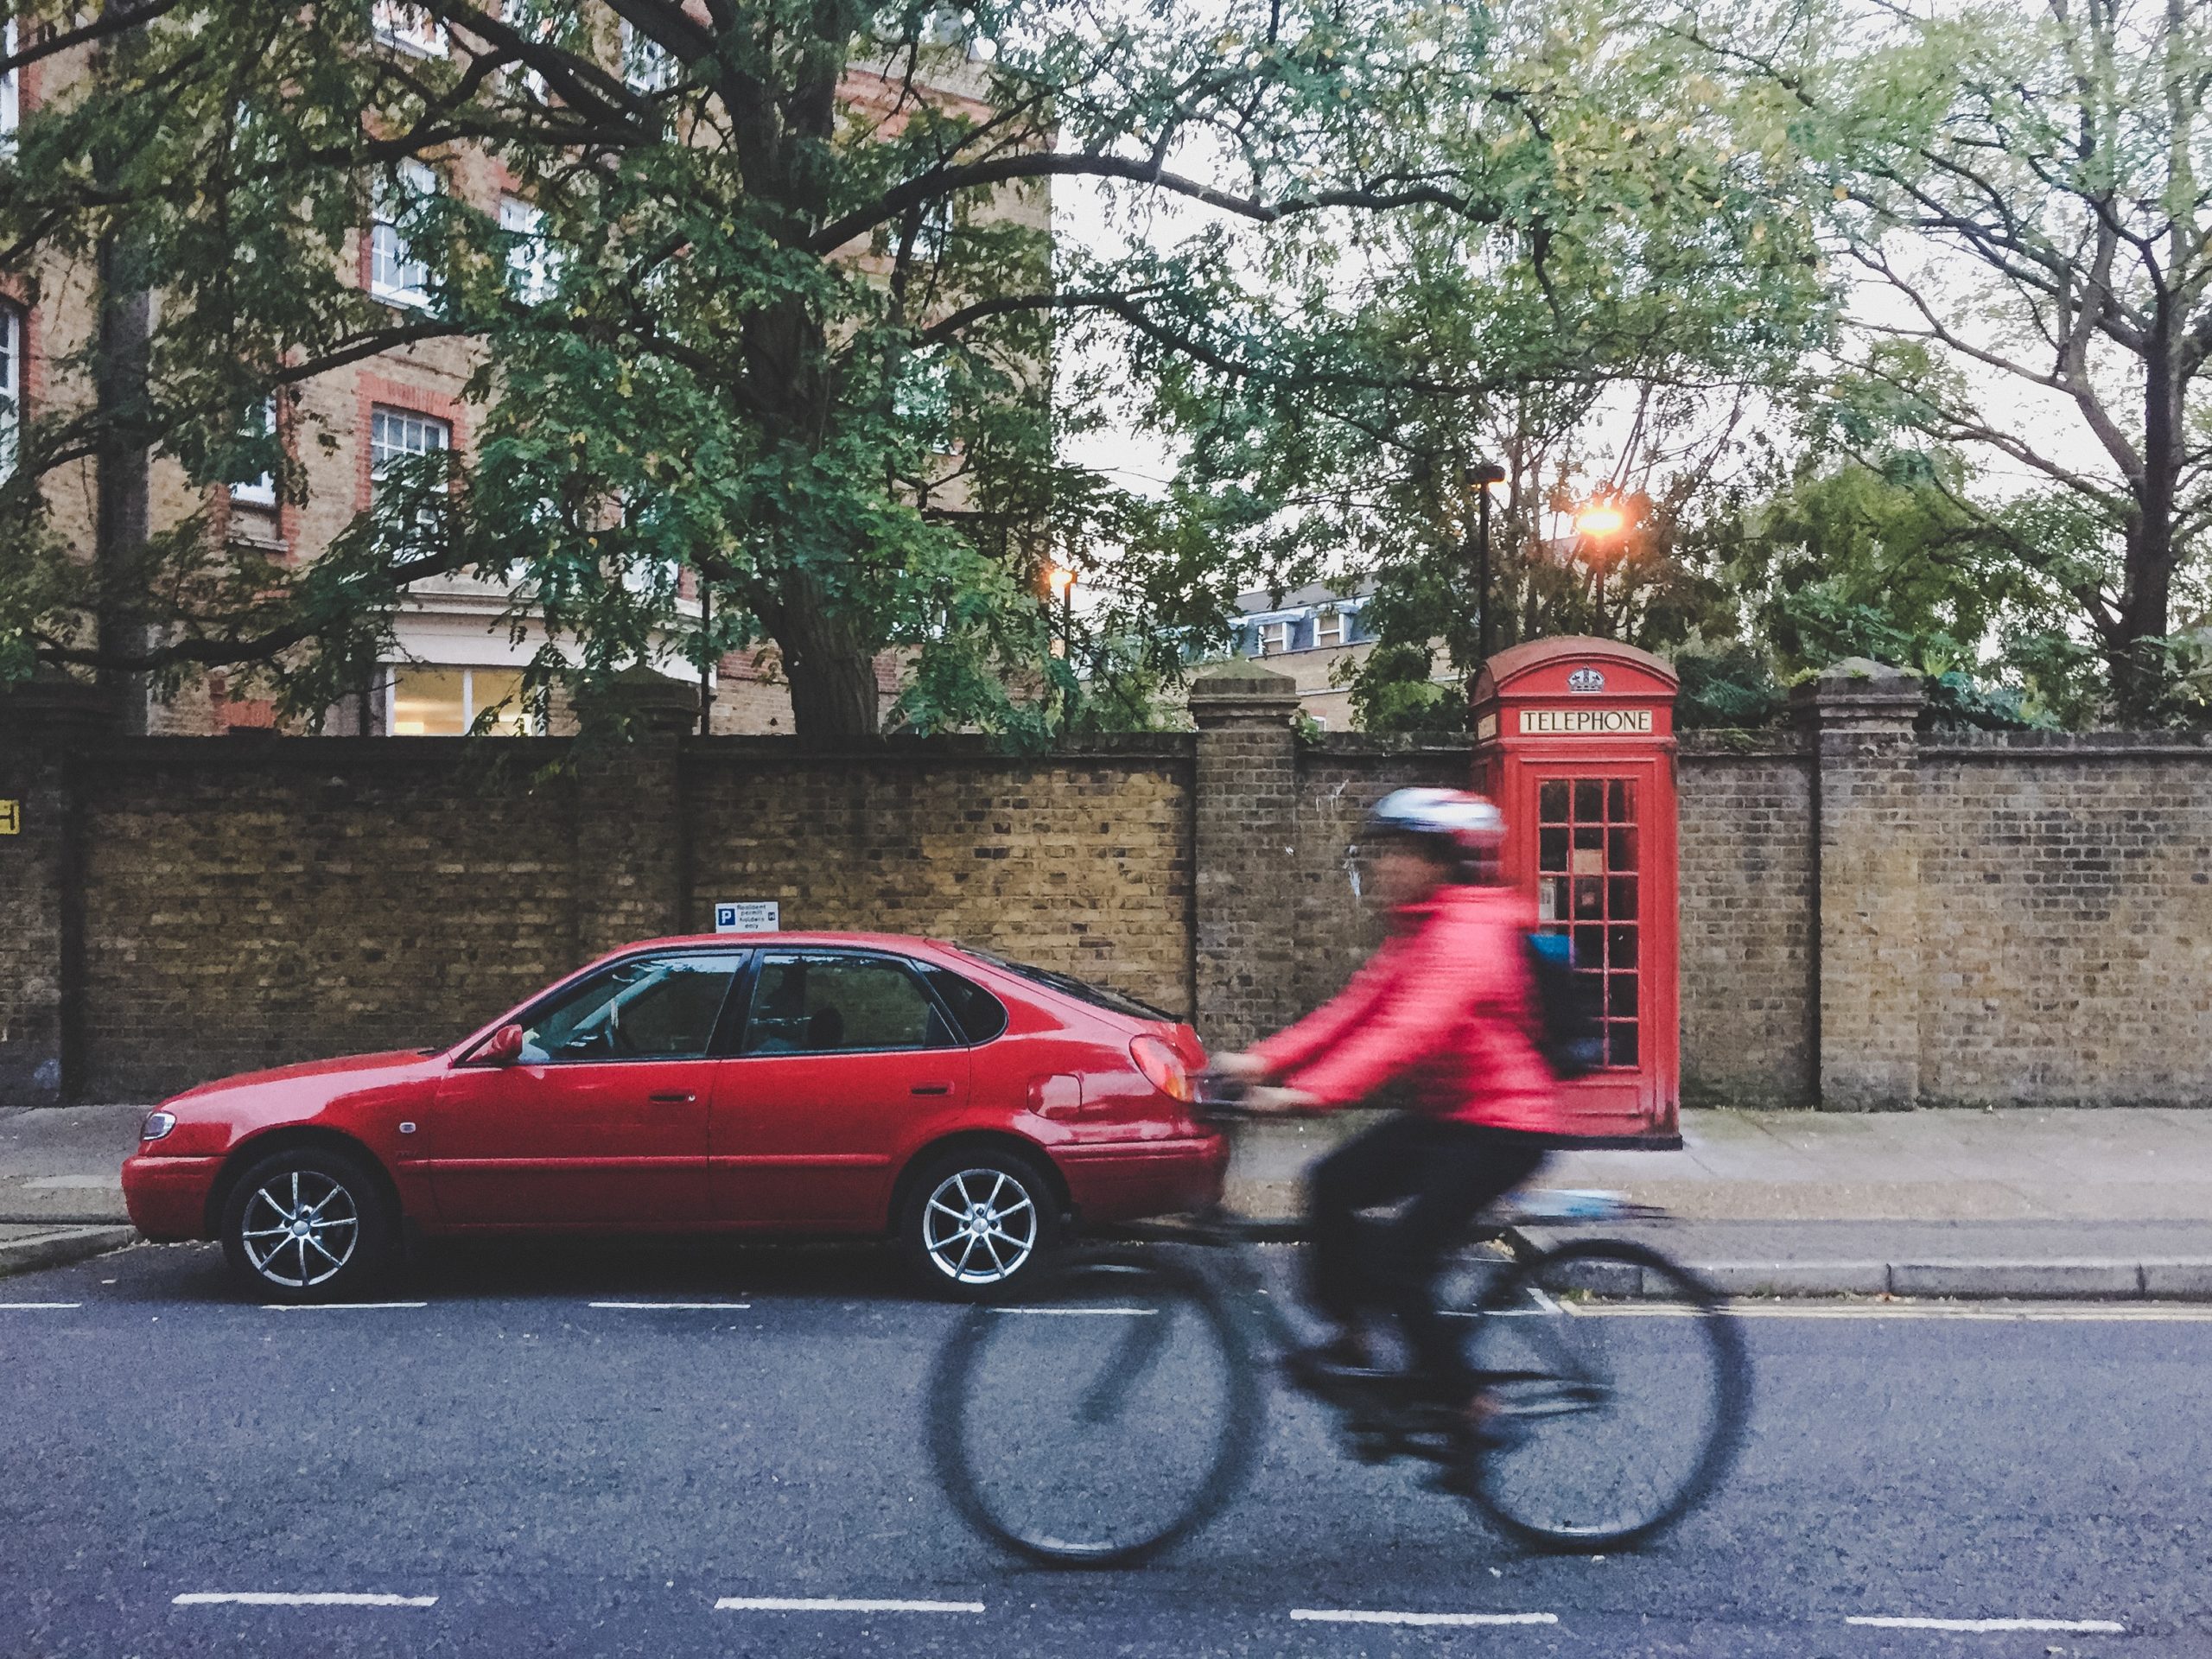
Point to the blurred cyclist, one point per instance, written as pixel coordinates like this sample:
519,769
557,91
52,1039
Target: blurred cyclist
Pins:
1447,1004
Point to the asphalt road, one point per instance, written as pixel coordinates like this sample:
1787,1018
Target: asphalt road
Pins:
566,1478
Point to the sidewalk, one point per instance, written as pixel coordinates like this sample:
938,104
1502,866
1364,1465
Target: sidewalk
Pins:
2049,1202
2104,1204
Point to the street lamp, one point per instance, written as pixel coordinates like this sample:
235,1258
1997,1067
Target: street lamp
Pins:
1600,518
1061,581
1480,477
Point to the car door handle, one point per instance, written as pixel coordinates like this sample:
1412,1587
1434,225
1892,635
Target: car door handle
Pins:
672,1097
933,1089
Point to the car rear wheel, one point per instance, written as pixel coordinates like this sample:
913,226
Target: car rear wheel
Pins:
308,1224
977,1223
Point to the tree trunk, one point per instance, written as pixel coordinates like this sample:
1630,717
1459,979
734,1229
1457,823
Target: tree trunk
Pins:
123,461
2139,663
830,667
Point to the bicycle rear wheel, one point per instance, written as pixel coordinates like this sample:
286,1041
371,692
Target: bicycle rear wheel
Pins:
1622,1387
1107,1412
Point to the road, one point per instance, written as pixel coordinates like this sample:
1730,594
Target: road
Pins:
525,1472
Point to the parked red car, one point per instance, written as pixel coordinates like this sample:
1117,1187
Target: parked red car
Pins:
795,1084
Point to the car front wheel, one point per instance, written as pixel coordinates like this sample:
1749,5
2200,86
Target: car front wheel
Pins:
977,1222
309,1225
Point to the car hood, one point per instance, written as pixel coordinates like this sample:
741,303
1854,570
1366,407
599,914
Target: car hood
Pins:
338,1074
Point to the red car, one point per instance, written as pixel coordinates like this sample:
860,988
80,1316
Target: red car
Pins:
796,1083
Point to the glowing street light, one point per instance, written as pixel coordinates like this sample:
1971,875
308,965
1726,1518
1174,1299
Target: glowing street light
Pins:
1600,518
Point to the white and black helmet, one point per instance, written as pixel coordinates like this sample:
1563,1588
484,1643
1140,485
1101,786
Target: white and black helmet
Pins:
1467,821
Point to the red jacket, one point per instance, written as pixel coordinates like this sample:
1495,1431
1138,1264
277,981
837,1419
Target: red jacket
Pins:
1447,1001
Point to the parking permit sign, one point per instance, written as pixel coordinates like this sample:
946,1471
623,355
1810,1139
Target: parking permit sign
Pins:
748,916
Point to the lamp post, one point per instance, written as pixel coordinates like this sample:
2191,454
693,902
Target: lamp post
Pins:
1600,521
1481,476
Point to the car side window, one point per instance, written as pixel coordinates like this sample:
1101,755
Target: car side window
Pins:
809,1003
648,1008
979,1015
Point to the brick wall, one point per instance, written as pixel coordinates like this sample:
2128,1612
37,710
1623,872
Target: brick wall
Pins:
1867,921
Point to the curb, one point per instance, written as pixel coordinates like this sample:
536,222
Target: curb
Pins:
61,1247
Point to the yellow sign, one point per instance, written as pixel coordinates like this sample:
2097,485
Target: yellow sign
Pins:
1584,722
11,817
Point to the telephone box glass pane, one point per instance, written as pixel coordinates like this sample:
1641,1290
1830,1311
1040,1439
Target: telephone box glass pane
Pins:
1551,802
1589,800
1589,947
1620,1043
1551,849
1620,800
1623,907
1589,898
1620,848
1620,947
1620,996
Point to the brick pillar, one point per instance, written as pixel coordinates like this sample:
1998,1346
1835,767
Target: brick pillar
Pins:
630,855
45,728
1246,788
1868,884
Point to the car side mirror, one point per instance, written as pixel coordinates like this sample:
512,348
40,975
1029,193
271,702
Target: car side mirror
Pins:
504,1048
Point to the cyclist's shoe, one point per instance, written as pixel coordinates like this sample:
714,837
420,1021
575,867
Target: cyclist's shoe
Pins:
1330,1367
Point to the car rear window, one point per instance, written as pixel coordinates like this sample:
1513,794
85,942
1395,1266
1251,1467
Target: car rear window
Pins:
1083,990
979,1015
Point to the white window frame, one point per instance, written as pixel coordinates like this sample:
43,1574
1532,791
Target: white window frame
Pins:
11,93
647,65
530,256
259,492
12,332
1328,617
468,711
1278,644
395,276
435,430
409,27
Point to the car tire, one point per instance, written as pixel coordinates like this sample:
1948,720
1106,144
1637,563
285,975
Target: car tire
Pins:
977,1224
309,1225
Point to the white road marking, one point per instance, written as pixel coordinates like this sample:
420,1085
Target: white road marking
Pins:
308,1599
2073,1626
667,1307
1351,1616
1085,1313
332,1308
838,1604
35,1307
2102,1314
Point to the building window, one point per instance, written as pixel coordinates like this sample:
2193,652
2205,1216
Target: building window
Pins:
395,276
260,491
11,106
647,65
1329,629
409,27
11,387
529,258
396,436
428,700
1274,639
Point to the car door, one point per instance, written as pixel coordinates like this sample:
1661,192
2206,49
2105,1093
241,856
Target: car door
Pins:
844,1061
602,1121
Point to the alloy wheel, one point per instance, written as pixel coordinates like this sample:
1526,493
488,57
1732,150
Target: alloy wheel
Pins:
979,1226
300,1229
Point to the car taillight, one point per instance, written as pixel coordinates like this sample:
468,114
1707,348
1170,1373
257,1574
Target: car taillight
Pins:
1162,1067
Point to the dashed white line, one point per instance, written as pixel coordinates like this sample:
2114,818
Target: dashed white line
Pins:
838,1604
1362,1615
302,1598
670,1307
1085,1312
333,1307
2069,1626
36,1307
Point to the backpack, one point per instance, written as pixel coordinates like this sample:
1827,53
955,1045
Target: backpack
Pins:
1569,1034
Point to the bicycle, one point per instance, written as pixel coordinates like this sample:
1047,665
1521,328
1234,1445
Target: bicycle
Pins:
1149,1363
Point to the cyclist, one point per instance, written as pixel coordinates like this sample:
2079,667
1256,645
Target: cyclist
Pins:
1447,1005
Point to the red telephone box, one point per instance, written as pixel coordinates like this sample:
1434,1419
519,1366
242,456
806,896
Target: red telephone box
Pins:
1575,742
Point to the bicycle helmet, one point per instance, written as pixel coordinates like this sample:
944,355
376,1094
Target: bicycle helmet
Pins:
1471,826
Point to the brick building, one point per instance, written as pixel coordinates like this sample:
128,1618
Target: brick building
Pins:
459,651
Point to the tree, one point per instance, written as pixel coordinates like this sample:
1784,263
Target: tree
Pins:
767,341
2028,186
1647,274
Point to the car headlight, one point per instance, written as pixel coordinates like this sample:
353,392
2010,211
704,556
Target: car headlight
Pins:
157,1124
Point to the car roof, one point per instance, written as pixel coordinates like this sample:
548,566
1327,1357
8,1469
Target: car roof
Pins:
751,941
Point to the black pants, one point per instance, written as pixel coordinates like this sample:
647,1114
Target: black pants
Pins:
1450,1172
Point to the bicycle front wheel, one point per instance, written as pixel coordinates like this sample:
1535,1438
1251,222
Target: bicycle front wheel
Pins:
1621,1388
1108,1412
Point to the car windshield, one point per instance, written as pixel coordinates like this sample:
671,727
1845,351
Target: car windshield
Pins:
1083,990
